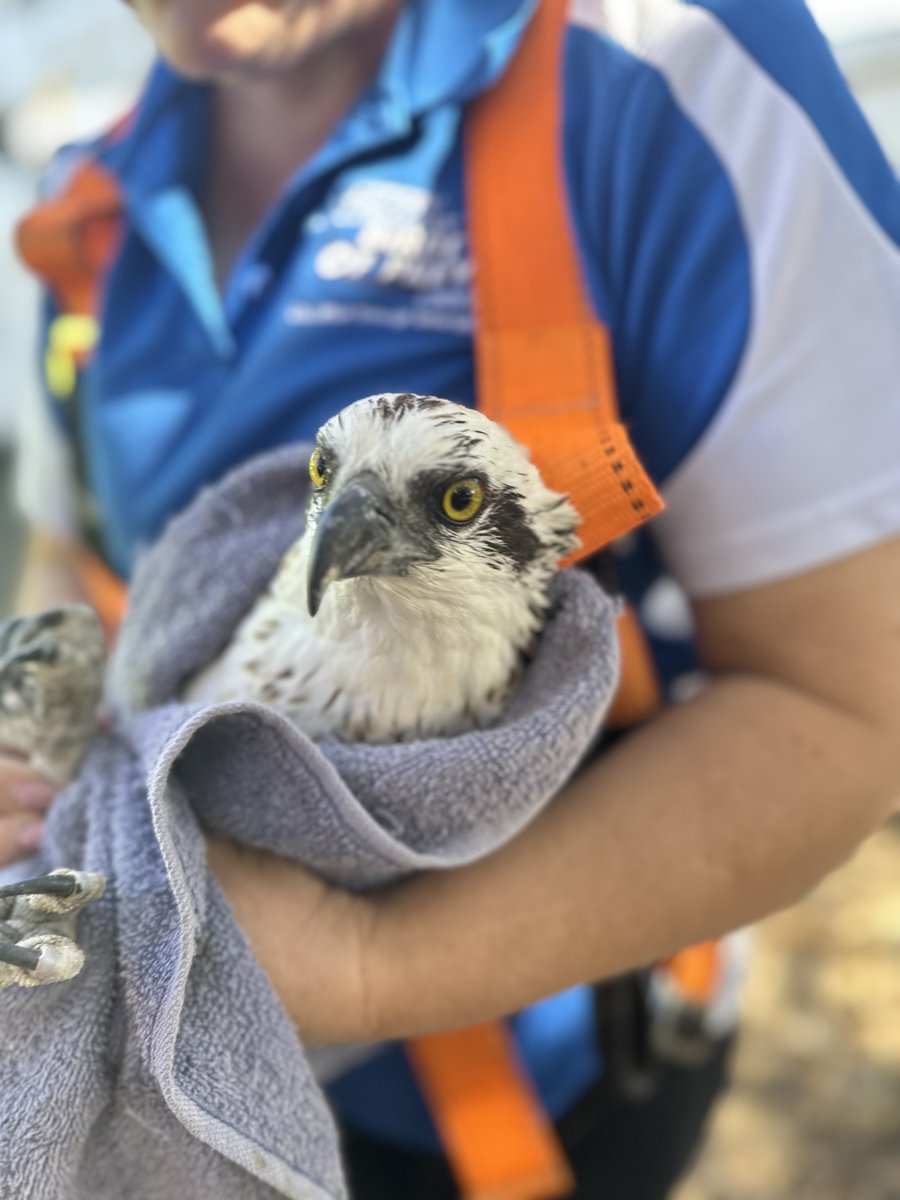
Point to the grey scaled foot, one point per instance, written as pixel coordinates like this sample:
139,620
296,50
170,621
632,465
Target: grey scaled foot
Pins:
37,926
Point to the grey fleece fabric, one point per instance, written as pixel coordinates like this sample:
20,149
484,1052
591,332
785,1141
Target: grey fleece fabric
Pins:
168,1069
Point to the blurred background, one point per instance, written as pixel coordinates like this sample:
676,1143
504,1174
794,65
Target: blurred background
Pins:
815,1110
68,68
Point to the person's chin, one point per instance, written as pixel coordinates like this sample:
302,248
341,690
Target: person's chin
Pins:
238,45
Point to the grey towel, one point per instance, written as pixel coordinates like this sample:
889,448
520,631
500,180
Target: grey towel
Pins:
168,1068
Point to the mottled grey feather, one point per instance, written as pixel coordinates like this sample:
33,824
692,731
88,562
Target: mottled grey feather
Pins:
51,679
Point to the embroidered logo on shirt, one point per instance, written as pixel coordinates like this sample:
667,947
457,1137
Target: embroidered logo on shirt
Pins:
397,240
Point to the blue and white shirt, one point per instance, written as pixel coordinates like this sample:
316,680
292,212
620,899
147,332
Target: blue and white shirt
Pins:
739,231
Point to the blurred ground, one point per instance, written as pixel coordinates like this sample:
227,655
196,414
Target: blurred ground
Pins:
814,1113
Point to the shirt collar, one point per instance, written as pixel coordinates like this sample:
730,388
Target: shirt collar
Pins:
447,51
165,142
442,52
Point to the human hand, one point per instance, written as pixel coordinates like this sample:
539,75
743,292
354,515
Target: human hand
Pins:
310,938
25,797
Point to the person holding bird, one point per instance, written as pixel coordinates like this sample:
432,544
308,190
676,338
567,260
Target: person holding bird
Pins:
284,225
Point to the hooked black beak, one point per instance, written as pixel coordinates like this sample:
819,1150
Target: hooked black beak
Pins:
359,533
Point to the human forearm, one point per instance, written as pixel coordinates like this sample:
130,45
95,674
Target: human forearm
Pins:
719,813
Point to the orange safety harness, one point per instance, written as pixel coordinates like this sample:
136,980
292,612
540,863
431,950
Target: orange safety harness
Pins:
545,370
70,241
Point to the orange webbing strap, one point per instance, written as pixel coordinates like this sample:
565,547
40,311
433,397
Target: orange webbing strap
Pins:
544,365
70,239
639,694
696,972
544,370
104,591
500,1148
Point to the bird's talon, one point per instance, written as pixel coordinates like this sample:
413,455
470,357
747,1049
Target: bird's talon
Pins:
45,958
25,957
37,926
59,883
88,886
59,959
61,891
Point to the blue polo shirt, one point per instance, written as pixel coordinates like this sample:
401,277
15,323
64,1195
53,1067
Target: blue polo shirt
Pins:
706,249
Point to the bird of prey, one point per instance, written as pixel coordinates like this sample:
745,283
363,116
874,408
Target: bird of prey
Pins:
420,582
406,610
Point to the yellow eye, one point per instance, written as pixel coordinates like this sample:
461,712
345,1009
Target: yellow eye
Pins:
318,469
462,499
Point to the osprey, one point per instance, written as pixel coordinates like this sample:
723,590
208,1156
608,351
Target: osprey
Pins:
410,602
405,610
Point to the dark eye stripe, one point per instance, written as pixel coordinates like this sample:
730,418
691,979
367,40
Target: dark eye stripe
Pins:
506,530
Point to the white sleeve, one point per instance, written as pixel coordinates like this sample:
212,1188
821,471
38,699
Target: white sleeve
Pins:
800,463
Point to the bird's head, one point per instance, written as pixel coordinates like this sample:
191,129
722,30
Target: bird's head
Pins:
420,496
